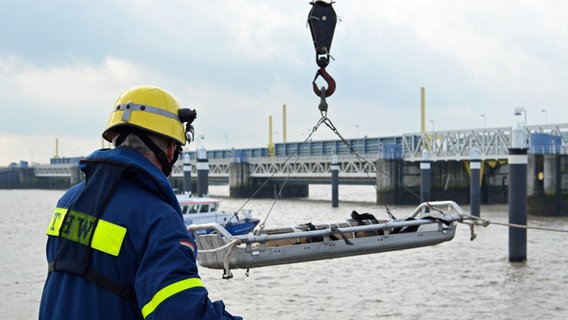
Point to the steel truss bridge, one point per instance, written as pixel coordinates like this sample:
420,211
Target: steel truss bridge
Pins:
296,170
310,162
492,143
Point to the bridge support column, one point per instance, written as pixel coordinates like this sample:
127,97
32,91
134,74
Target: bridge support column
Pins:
239,179
389,181
557,185
202,172
518,161
474,186
545,196
334,182
76,175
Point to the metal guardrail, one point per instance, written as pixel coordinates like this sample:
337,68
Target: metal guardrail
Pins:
302,167
492,143
53,170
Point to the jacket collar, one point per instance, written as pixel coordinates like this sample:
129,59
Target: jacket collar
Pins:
144,170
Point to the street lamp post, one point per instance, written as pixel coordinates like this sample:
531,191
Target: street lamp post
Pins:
545,116
357,126
519,111
484,127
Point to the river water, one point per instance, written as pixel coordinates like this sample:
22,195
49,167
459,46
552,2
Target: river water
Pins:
460,279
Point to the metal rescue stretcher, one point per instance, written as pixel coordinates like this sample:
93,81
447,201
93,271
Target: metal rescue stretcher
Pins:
429,224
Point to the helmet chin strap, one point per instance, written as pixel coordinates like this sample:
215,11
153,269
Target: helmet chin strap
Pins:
167,166
160,155
177,151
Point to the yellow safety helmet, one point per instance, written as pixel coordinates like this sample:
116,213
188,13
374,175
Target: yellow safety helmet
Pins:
152,109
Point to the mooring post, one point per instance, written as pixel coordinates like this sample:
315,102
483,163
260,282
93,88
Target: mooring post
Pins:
425,178
187,172
474,184
334,181
518,161
202,172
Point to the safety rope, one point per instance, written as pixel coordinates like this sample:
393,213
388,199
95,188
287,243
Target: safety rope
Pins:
235,242
473,221
227,274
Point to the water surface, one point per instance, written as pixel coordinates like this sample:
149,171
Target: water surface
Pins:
460,279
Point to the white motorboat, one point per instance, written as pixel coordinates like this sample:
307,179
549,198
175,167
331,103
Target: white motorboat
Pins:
203,210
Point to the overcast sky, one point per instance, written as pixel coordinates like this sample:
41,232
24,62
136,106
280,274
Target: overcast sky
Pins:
63,64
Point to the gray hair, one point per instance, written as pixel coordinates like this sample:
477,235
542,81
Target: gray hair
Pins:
134,142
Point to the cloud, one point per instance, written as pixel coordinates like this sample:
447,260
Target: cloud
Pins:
237,62
60,98
69,102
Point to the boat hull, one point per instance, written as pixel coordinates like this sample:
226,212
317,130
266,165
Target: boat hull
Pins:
241,227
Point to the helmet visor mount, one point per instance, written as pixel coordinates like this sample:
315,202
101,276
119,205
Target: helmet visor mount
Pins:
187,116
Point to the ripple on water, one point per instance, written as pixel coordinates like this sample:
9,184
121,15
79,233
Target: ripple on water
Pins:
457,279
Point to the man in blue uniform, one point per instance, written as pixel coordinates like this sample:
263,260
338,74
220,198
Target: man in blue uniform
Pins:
117,246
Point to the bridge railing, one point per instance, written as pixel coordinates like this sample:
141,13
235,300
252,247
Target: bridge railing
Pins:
492,143
53,170
456,144
294,167
218,168
313,166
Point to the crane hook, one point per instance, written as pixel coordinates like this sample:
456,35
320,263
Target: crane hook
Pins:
328,79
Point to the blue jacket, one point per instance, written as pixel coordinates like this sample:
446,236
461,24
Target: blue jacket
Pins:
139,243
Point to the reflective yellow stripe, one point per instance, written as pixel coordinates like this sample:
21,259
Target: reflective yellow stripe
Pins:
169,291
56,221
78,227
107,236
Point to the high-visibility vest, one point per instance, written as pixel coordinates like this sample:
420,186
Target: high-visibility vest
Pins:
80,229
